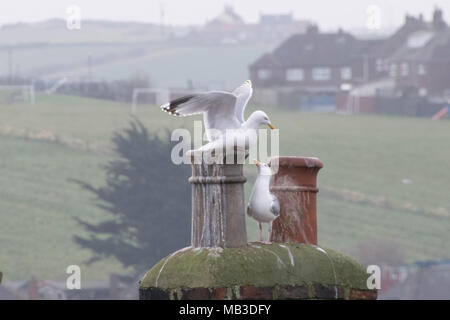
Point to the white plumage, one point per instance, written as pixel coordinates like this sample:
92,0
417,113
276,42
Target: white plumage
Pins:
263,205
221,110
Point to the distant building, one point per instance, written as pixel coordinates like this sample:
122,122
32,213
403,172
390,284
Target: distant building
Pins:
309,70
422,63
313,60
277,27
313,66
229,28
227,19
276,19
386,47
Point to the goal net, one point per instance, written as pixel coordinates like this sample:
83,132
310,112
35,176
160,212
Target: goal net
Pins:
10,94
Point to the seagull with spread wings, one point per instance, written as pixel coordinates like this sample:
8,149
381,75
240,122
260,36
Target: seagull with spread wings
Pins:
221,110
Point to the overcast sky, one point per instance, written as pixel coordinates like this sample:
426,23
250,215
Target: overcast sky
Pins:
330,14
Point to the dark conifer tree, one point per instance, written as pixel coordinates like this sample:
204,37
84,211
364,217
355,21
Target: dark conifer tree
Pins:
147,198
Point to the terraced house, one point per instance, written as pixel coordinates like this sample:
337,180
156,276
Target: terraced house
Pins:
422,63
312,70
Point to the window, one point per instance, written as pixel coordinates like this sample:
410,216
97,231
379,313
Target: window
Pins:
421,69
321,74
346,73
380,65
341,40
264,74
393,70
294,74
419,39
405,69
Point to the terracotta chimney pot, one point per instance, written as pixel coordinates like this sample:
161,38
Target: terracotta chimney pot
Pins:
295,185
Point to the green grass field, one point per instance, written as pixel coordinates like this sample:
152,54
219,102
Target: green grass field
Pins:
37,206
368,154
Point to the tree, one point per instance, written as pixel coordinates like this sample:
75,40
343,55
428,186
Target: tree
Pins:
148,199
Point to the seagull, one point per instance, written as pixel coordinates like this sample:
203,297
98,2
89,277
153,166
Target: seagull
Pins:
263,205
221,111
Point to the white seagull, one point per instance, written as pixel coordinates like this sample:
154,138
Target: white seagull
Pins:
221,111
263,205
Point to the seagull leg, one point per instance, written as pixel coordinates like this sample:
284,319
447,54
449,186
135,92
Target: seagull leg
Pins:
260,233
269,233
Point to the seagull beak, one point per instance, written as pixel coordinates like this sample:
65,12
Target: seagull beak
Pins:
271,126
257,162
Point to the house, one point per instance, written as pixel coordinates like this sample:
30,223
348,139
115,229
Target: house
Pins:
227,28
422,63
273,28
317,71
414,70
311,68
386,47
319,61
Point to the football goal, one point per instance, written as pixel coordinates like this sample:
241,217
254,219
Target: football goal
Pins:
10,94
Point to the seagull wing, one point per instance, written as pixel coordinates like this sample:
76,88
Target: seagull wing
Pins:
275,205
217,107
243,94
199,103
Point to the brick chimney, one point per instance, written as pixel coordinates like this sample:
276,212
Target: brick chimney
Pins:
438,19
221,265
294,184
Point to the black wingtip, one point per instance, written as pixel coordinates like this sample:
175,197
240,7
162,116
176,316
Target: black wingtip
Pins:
175,103
172,106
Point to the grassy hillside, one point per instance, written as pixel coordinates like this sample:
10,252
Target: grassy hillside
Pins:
173,66
371,155
118,50
167,65
91,31
37,206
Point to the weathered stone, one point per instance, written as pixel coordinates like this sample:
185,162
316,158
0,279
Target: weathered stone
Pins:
289,291
256,293
153,294
328,291
219,293
196,294
257,265
221,265
246,292
294,184
358,294
218,210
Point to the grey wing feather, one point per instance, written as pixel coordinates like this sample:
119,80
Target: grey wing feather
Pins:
243,94
275,206
220,113
200,103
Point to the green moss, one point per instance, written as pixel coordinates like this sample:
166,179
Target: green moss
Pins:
258,265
